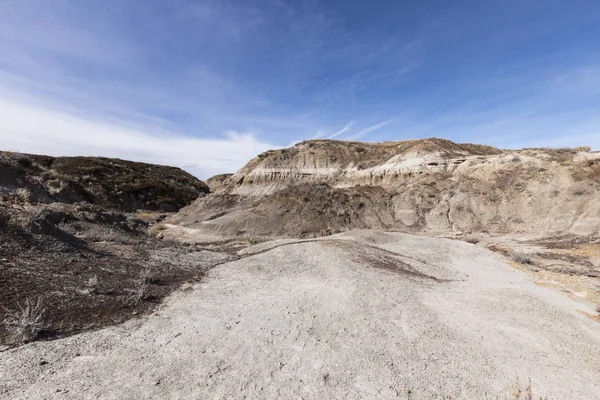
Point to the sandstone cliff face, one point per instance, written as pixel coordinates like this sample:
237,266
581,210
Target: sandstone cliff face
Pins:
346,164
420,185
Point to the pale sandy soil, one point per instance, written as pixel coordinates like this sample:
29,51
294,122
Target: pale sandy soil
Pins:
363,315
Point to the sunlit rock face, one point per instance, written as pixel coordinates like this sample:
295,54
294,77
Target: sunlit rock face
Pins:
423,185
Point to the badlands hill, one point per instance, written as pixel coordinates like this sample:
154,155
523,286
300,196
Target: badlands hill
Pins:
70,238
107,182
320,187
363,314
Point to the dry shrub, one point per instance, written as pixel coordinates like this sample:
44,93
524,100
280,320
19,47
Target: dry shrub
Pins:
98,233
28,321
145,279
521,258
561,156
585,172
579,189
23,195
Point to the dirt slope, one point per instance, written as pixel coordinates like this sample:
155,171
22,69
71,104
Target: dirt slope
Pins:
68,237
354,316
429,185
107,182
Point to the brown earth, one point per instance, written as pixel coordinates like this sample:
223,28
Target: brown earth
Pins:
67,241
90,267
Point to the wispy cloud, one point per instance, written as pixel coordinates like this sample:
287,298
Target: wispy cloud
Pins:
30,129
279,72
345,129
366,131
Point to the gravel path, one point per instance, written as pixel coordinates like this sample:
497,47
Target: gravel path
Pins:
364,315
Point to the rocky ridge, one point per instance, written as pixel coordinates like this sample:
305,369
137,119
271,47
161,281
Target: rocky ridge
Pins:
429,185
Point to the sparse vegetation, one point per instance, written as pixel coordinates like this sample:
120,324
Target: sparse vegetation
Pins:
23,195
92,284
27,322
110,183
579,189
520,393
521,258
562,156
144,280
97,233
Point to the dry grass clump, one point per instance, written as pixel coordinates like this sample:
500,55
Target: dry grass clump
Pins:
562,156
520,393
579,189
145,279
521,258
27,323
23,195
585,172
98,233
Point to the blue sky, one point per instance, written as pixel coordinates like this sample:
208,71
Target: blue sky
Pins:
208,84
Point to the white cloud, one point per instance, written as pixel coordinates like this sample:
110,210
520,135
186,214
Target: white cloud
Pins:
32,129
368,130
341,131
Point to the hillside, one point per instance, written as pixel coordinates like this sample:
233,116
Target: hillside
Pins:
69,238
107,182
431,185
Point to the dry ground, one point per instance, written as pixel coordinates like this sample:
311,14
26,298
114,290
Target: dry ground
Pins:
359,315
568,264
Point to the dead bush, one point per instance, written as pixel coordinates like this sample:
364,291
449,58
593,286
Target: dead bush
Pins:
26,323
99,233
92,284
145,279
23,195
579,189
521,258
